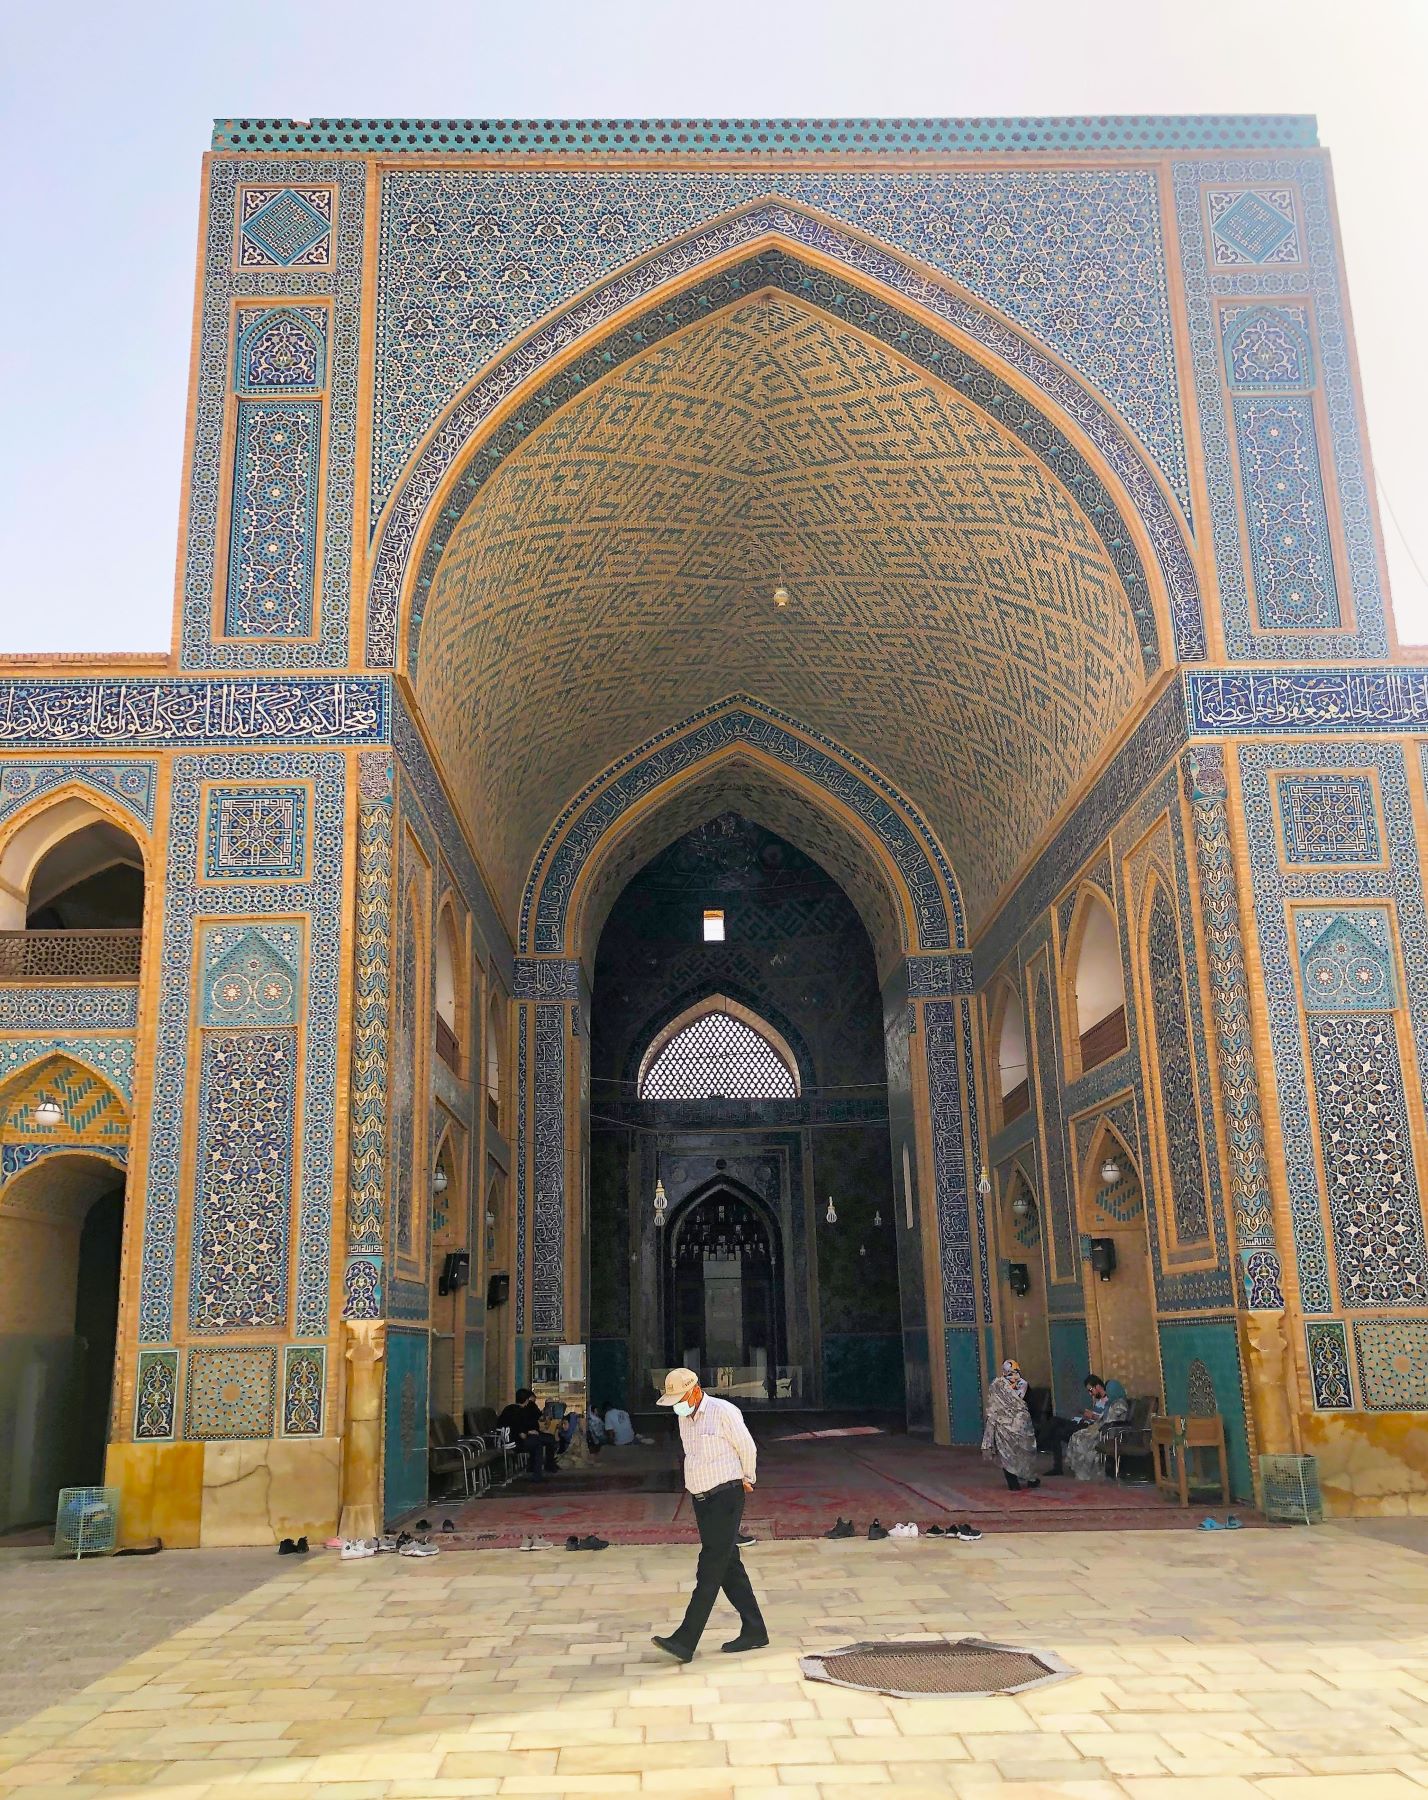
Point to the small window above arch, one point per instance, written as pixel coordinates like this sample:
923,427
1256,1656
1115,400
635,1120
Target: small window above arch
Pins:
719,1050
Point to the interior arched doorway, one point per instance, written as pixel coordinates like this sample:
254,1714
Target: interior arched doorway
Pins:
61,1238
1118,1279
72,884
722,1292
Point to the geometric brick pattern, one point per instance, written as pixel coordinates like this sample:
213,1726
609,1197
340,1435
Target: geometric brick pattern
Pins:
1255,226
668,504
285,228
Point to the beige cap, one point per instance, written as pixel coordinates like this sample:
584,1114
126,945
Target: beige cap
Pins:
676,1385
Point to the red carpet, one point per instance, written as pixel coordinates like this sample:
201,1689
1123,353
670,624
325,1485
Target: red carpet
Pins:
804,1486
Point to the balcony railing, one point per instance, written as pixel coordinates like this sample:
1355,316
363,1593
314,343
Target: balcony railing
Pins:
448,1047
47,956
1104,1040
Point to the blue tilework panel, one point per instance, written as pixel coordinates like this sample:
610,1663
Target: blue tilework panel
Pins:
1373,1077
404,1058
111,1057
243,1202
270,908
1330,819
470,261
1252,226
131,782
1189,1204
156,1395
231,1393
274,531
250,974
304,1379
1267,348
964,1386
286,227
1056,1193
548,1172
1373,1193
404,1442
281,351
941,1034
1213,1345
1262,231
1279,701
1326,1344
256,833
289,228
1283,491
74,1008
1345,959
1393,1364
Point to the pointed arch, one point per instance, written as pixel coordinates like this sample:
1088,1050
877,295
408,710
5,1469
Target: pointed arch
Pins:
451,1007
1008,1069
280,350
716,1029
1093,985
29,836
854,278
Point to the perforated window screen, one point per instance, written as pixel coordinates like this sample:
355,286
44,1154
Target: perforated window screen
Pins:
718,1057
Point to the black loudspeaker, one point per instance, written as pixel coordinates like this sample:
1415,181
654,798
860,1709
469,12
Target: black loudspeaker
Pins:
1019,1278
1103,1257
455,1272
498,1290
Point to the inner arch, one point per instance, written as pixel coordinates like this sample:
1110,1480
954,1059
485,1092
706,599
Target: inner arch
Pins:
955,617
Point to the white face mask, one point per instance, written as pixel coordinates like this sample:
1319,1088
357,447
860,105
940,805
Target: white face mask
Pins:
682,1409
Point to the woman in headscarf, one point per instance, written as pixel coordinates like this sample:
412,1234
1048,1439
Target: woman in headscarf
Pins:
1010,1438
1107,1404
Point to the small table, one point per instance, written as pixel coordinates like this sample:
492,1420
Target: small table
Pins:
1172,1439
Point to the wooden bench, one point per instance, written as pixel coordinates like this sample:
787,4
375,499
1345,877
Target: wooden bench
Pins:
1173,1438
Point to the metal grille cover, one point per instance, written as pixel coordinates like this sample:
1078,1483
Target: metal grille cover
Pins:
937,1668
718,1057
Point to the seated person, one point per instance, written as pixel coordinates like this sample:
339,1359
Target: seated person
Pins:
618,1429
1106,1404
595,1428
522,1419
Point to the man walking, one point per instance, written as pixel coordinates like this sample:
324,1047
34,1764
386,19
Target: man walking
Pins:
720,1463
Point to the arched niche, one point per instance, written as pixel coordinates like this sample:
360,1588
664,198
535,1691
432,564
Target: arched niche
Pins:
495,1058
72,864
450,996
1120,1302
1009,1084
1093,984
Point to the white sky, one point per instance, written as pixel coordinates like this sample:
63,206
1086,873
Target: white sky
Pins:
105,113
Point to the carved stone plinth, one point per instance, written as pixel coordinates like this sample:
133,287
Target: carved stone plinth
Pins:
365,1347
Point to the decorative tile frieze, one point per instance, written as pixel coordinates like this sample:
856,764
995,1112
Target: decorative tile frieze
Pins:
1308,700
155,1395
276,709
941,1033
273,539
32,1007
547,978
304,1382
130,781
548,1171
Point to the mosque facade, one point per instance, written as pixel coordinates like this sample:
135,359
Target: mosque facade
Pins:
943,550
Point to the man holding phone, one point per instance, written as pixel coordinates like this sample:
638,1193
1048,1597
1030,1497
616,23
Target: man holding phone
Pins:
720,1467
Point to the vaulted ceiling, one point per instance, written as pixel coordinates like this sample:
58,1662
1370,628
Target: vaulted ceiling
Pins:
954,620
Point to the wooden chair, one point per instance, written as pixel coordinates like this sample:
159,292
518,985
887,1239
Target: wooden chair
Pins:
1173,1437
1130,1437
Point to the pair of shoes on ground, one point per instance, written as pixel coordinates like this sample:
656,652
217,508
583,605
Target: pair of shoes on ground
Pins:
969,1534
746,1640
902,1531
404,1544
536,1543
586,1543
294,1547
1211,1523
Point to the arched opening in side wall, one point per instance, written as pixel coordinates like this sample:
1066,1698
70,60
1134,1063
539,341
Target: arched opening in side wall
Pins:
1094,985
1117,1275
71,896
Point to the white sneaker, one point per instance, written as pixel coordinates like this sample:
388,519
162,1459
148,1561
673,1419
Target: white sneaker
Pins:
354,1549
902,1531
417,1548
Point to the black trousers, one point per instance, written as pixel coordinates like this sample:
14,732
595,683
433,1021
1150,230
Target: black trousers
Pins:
718,1516
1055,1435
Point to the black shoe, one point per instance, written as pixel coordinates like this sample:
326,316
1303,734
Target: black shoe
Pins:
843,1529
968,1533
287,1548
672,1647
746,1640
300,1548
422,1525
596,1543
745,1539
876,1532
935,1531
403,1537
446,1525
1034,1482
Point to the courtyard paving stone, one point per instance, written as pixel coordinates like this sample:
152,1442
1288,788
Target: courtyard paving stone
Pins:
1281,1664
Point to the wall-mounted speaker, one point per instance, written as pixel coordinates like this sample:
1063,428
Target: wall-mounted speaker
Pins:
455,1272
1103,1257
498,1290
1019,1278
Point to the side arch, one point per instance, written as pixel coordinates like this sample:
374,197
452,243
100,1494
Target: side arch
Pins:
59,812
913,309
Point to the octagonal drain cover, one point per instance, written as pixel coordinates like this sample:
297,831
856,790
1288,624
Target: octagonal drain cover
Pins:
937,1668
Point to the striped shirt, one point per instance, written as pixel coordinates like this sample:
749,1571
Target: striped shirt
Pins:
717,1446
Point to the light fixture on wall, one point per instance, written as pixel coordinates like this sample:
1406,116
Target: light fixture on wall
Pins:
1021,1207
862,1249
661,1201
877,1218
48,1110
984,1182
440,1181
832,1213
1110,1172
780,596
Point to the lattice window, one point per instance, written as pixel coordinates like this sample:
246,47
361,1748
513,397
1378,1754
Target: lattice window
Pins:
718,1057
